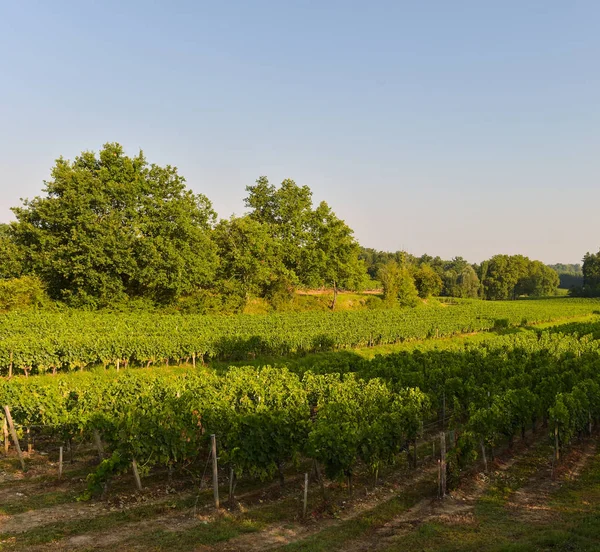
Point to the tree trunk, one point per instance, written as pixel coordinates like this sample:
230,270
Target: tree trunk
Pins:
335,294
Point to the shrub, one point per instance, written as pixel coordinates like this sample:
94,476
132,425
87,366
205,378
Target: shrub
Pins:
21,293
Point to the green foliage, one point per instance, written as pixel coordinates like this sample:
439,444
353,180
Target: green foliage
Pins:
263,418
591,275
427,281
73,340
250,256
408,296
267,417
108,468
22,293
316,248
508,277
464,284
570,275
112,226
364,420
374,303
11,255
398,285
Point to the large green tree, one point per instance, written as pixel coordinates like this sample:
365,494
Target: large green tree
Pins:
316,246
502,276
331,256
509,276
591,274
539,281
427,281
250,258
287,211
110,226
398,285
467,283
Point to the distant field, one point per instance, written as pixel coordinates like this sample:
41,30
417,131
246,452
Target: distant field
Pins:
42,342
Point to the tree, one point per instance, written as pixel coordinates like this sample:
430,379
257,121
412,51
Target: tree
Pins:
11,255
331,254
427,281
501,278
468,283
507,277
316,247
398,285
111,227
591,274
408,296
389,275
571,275
503,273
287,211
375,260
540,281
249,256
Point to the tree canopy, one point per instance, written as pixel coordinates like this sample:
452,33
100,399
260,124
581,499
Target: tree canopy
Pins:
509,276
111,226
591,274
316,247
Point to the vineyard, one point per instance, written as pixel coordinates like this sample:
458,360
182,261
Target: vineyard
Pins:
50,342
265,418
336,419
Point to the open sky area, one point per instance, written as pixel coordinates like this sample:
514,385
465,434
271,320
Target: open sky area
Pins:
451,128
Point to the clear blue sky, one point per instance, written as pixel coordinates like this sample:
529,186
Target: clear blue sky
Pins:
446,127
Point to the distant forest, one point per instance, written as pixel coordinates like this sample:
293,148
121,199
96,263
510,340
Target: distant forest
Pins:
114,231
571,275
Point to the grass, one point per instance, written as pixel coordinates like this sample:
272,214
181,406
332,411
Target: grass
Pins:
571,523
183,541
38,501
363,525
317,300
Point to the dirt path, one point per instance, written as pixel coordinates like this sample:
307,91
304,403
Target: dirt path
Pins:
531,502
456,509
277,535
528,501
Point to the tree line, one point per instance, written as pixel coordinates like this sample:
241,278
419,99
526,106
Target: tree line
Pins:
111,229
502,277
590,285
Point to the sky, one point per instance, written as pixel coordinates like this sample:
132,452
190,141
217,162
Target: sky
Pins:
461,128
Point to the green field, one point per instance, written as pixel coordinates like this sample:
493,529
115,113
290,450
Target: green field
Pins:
75,340
526,394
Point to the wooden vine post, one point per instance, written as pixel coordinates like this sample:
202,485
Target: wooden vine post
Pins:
231,484
136,475
443,463
305,504
483,455
215,468
98,443
14,436
556,443
5,434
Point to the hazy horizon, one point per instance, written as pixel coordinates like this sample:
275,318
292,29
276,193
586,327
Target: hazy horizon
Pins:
448,129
